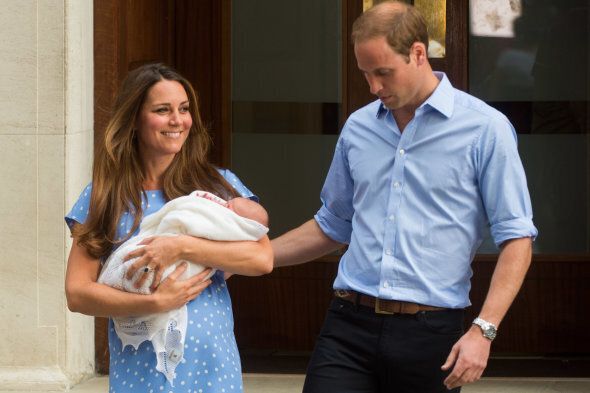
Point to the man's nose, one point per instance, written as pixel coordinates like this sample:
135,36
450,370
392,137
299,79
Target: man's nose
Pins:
374,85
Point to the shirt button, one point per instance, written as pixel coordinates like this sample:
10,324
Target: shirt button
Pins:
396,184
402,152
388,252
391,217
385,284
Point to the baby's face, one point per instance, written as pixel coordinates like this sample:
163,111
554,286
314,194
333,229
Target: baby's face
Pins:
247,208
240,205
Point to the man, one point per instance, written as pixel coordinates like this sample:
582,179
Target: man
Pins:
416,177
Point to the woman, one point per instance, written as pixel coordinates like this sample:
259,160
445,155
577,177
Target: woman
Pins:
155,149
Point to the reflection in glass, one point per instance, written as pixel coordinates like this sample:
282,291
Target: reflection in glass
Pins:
536,70
286,101
533,66
435,14
494,18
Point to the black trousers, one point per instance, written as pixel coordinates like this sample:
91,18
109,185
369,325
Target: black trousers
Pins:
361,351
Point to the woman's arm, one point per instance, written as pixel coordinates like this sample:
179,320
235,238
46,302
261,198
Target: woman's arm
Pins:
86,296
248,258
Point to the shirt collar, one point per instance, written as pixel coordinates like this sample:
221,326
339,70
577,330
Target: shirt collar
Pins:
441,99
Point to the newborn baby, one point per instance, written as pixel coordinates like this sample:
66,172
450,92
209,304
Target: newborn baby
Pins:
199,214
243,207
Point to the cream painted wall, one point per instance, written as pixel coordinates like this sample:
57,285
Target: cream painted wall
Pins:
46,132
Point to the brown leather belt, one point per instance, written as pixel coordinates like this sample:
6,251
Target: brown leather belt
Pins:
383,306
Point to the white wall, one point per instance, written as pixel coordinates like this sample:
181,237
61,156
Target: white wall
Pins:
46,132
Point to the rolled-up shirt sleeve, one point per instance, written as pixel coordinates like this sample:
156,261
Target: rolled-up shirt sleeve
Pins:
335,215
503,184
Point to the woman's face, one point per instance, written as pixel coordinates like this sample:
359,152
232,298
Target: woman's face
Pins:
164,121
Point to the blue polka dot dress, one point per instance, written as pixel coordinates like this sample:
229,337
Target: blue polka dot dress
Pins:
211,360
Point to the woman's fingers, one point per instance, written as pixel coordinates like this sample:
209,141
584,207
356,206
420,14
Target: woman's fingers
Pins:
134,254
181,268
158,277
147,272
197,289
200,277
139,264
179,292
147,240
133,268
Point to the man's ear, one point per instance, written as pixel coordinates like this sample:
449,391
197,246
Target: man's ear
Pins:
419,52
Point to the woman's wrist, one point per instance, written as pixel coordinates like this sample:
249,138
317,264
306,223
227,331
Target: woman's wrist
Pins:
156,303
186,248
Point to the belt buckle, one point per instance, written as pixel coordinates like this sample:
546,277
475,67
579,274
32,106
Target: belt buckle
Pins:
341,293
378,309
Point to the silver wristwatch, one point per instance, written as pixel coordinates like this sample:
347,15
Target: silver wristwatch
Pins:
488,329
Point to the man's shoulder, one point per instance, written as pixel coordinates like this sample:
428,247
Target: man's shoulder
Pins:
366,113
473,106
489,123
371,109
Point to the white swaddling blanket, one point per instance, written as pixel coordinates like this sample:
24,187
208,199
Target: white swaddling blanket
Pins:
199,214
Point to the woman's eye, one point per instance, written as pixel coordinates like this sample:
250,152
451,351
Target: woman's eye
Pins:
184,109
161,110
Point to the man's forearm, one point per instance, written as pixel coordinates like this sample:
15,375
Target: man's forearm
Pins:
302,244
513,263
468,357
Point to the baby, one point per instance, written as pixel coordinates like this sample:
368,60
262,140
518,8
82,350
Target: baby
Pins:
247,208
243,207
199,214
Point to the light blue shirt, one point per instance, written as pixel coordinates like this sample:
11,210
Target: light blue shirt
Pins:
414,206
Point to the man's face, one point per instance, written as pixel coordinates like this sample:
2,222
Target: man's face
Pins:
390,76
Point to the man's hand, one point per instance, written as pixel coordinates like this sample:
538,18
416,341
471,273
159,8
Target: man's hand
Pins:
470,358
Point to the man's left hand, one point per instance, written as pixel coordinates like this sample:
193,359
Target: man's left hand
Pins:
470,357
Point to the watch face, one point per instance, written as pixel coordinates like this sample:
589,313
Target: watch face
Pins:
490,332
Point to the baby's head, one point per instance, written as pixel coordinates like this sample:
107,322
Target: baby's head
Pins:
247,208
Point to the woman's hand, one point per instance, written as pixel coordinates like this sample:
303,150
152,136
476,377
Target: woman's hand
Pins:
155,256
172,293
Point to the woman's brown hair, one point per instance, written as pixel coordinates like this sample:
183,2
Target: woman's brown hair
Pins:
118,176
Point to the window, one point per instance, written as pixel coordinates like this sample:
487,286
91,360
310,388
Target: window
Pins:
530,61
286,101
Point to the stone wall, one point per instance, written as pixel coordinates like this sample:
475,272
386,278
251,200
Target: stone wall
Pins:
46,132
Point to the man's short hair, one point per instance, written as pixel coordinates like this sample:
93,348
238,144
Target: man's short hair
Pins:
401,24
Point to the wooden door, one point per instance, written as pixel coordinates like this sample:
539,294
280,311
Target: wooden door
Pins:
191,36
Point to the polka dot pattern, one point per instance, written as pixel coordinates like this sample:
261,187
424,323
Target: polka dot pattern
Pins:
211,360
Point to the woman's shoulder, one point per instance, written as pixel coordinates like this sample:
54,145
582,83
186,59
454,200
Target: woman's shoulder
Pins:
237,184
80,209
